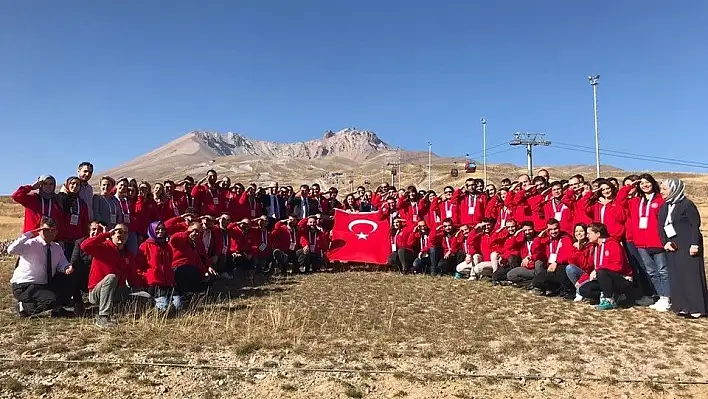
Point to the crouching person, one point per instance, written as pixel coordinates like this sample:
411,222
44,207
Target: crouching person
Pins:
401,256
188,261
33,281
532,257
154,260
263,247
313,242
111,266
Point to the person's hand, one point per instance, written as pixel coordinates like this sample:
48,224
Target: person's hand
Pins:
543,232
552,267
69,270
693,250
670,246
447,255
576,244
37,185
593,275
603,201
237,255
306,249
211,271
525,261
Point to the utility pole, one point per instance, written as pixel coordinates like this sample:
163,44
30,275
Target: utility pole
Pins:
395,167
594,80
430,161
530,140
484,135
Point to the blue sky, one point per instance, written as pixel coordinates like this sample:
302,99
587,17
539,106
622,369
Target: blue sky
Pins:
108,81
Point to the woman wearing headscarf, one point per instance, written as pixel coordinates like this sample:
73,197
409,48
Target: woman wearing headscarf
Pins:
42,202
154,261
679,228
76,215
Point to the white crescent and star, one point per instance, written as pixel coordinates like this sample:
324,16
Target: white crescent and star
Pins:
363,236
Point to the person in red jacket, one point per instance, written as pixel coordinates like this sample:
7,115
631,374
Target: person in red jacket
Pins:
449,245
265,254
602,208
179,224
612,275
509,258
145,211
575,199
426,245
446,206
313,244
163,206
188,261
240,245
642,226
76,212
402,255
111,266
209,198
154,261
579,268
497,209
472,202
43,202
286,237
251,203
554,208
211,241
558,246
411,207
533,257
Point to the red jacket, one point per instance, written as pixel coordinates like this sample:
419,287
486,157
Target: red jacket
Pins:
581,258
154,261
482,243
510,245
449,244
577,205
145,213
534,249
613,258
432,212
400,238
318,241
175,225
463,244
107,259
186,252
72,232
208,200
471,207
421,243
238,240
644,230
561,246
447,209
551,209
250,205
283,237
412,212
180,201
36,207
165,211
614,216
261,242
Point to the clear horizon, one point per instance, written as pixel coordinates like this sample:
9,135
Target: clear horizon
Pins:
108,82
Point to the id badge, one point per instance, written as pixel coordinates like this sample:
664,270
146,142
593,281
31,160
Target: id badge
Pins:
292,246
126,218
312,248
448,214
216,201
470,211
393,247
644,222
669,230
558,216
262,247
74,219
253,213
552,258
437,218
113,218
415,218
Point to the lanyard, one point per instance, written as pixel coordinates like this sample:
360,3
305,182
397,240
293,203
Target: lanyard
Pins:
503,214
601,255
472,202
264,237
125,210
423,241
111,210
49,210
602,214
252,203
448,207
394,239
528,246
414,205
447,241
558,247
641,202
555,208
669,219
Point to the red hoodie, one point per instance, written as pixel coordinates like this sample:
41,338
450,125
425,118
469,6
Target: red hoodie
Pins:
449,243
238,240
463,244
510,245
107,259
448,209
250,205
483,243
145,213
431,210
399,239
611,215
179,202
516,202
471,207
317,241
534,249
411,212
284,238
577,205
561,247
261,242
557,209
154,261
208,200
423,243
186,252
610,255
175,225
36,207
643,218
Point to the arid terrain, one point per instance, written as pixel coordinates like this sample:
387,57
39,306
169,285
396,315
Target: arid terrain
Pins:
357,334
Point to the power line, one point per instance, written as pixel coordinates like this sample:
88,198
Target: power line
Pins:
640,158
633,154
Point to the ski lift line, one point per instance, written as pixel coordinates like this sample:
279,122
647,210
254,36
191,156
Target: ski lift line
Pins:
471,154
632,154
655,160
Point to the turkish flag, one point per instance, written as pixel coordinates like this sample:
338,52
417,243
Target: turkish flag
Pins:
360,237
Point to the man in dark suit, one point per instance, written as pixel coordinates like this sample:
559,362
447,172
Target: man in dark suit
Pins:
302,206
275,204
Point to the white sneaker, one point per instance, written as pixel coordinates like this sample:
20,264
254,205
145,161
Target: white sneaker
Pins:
578,298
473,277
662,305
644,301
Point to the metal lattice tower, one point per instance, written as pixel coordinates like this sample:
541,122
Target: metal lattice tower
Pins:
530,140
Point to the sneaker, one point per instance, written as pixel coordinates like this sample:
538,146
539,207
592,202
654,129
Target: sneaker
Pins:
644,301
458,275
539,292
662,305
104,322
21,311
606,304
473,277
578,298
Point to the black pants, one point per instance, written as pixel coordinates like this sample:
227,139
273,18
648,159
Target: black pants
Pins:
311,261
449,265
503,269
188,279
35,298
607,282
402,259
554,281
266,261
225,264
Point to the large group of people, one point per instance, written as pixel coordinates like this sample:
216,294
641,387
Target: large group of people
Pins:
600,241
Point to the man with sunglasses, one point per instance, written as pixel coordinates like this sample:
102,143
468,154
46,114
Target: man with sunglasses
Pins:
472,201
